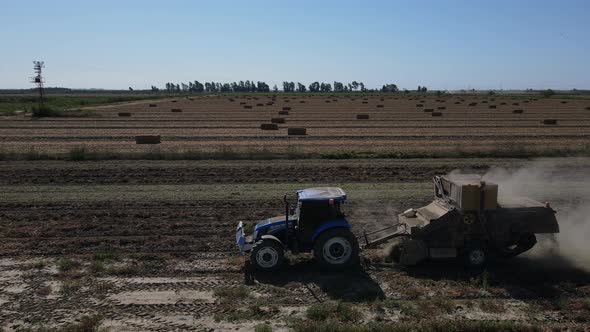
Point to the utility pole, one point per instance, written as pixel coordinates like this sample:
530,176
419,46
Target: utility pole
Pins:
38,79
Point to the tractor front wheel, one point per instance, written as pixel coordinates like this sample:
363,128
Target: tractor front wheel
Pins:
267,255
336,249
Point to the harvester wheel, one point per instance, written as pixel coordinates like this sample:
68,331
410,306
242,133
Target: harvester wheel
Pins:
336,249
267,255
475,257
469,218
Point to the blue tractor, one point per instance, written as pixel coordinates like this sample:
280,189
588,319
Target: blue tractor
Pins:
317,224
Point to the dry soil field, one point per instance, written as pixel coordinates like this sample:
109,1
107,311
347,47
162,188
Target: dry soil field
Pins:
138,245
449,124
142,246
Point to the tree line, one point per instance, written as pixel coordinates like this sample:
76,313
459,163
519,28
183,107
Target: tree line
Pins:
259,86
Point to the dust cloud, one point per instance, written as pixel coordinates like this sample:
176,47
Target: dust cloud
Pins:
566,185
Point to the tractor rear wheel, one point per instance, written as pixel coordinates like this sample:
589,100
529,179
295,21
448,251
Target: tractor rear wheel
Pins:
336,249
267,255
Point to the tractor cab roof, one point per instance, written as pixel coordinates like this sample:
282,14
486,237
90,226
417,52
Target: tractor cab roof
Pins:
321,194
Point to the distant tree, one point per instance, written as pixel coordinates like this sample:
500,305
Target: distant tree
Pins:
338,87
199,87
491,93
155,89
300,87
275,88
389,88
547,93
325,87
419,89
262,87
314,87
355,85
424,89
130,89
362,86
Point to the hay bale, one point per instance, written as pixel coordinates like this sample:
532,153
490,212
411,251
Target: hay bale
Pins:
173,101
277,120
515,104
296,131
286,108
248,107
269,103
269,126
484,101
428,110
457,102
549,121
191,99
564,102
124,114
176,110
283,112
436,113
362,116
587,108
365,102
153,105
327,101
242,103
419,105
147,139
379,106
302,101
518,111
441,108
502,103
472,104
231,100
492,106
259,105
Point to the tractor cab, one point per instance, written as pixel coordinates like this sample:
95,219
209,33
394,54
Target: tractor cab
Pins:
317,213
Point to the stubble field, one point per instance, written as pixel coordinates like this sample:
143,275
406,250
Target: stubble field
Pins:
465,124
148,245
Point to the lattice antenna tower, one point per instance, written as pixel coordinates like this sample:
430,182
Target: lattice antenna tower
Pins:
39,80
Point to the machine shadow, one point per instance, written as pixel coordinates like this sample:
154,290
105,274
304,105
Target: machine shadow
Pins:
353,284
524,278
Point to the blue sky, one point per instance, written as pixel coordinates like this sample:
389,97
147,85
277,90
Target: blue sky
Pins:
507,44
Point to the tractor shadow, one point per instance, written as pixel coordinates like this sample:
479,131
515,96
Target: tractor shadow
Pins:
525,278
353,284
